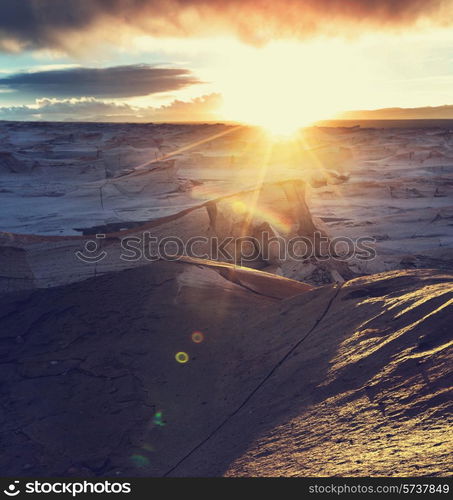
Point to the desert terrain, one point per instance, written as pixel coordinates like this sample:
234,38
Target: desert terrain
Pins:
206,365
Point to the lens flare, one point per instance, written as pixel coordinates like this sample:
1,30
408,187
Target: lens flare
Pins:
197,337
182,357
158,419
239,207
140,461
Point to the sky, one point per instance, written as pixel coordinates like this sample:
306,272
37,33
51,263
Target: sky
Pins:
255,61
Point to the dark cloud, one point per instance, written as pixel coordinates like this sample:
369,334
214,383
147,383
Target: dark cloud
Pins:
85,109
50,23
120,81
90,109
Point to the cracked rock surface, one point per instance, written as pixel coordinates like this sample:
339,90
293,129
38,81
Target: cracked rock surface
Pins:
347,379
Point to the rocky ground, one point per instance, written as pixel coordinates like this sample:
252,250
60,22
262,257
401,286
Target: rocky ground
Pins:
348,379
60,184
201,367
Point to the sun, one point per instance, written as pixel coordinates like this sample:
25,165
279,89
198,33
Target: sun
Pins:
279,103
280,131
283,87
282,122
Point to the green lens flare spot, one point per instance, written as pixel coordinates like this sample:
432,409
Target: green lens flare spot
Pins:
158,419
140,461
182,357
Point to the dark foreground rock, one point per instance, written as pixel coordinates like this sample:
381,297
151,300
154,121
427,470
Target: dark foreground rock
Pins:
185,369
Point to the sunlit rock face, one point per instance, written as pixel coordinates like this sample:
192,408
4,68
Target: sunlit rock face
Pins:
60,185
205,369
268,229
71,180
272,229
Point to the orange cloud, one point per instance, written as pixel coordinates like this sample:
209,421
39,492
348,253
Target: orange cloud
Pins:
46,23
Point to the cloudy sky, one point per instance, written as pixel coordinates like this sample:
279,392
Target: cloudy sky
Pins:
246,60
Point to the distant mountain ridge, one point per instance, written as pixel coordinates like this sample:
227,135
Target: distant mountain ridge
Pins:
423,113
